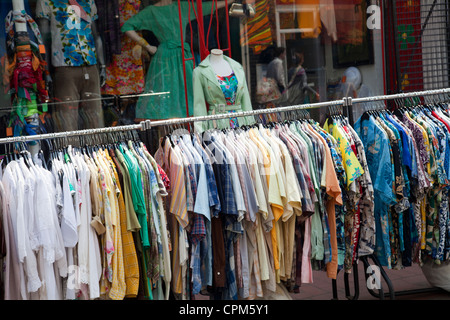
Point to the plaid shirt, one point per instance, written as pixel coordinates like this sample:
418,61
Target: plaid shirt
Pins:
231,289
224,185
213,195
196,268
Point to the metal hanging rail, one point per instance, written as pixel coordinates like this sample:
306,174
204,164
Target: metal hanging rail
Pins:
147,124
113,97
346,102
401,95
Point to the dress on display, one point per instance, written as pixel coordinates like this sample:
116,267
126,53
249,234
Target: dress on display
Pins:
125,73
165,73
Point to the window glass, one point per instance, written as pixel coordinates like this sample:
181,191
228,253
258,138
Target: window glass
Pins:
69,65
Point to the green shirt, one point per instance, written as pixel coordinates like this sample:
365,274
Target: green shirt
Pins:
137,193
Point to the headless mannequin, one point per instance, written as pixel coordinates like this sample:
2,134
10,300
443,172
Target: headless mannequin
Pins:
152,49
97,119
44,27
219,65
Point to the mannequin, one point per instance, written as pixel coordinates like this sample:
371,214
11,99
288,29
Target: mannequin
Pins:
219,65
220,86
75,55
18,5
165,73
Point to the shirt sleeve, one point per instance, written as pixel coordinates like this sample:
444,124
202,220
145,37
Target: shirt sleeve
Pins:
141,21
200,108
94,12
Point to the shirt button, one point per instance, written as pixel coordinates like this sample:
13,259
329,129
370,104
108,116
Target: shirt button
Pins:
218,273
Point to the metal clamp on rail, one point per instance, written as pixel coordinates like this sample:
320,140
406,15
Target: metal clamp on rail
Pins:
146,125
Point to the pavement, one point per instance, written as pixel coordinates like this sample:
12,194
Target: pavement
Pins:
407,284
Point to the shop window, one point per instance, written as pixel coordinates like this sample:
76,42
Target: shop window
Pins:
329,52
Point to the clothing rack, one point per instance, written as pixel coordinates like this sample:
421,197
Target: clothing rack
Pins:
399,96
346,103
365,259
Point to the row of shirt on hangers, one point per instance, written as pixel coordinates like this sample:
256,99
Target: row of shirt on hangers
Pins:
229,213
409,158
91,226
263,204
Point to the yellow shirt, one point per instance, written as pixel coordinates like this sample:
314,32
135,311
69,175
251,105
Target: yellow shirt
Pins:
118,286
129,257
274,199
352,167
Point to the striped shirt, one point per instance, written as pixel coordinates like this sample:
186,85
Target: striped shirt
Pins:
174,162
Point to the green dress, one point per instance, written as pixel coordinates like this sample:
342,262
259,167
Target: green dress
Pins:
165,73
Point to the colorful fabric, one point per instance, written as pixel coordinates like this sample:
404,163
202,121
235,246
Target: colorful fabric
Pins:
125,73
377,147
351,164
73,43
257,33
229,86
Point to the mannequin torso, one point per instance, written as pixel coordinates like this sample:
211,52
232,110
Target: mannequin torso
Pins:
219,65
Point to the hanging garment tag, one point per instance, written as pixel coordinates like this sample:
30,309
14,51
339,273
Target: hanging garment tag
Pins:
9,132
41,49
221,108
86,76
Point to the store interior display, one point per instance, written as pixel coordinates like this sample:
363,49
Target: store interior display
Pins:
124,63
168,74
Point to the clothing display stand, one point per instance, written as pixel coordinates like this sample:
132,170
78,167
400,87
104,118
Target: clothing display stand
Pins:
345,105
349,104
148,124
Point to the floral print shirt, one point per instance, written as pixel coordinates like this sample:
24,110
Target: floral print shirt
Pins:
229,86
353,168
73,43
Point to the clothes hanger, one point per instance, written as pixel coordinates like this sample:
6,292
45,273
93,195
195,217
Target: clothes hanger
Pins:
8,153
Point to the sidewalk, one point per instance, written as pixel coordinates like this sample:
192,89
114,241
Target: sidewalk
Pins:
407,279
